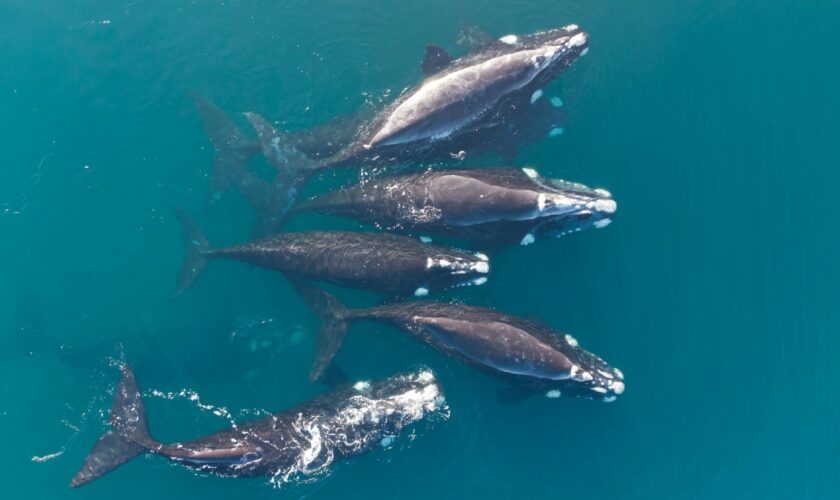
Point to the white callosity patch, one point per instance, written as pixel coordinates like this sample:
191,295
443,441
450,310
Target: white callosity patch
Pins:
603,192
584,51
617,386
530,172
599,224
603,206
556,131
536,96
599,389
579,375
421,292
557,102
578,40
571,340
479,281
618,373
425,239
509,39
553,394
481,267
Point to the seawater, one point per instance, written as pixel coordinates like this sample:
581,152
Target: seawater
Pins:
714,124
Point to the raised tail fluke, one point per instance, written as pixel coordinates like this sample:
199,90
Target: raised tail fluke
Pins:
197,251
129,438
233,149
334,323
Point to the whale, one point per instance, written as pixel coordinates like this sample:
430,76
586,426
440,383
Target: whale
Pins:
377,262
302,441
486,101
529,355
490,206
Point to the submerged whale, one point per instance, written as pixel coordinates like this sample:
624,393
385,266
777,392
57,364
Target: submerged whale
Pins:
305,439
477,103
487,205
528,354
376,262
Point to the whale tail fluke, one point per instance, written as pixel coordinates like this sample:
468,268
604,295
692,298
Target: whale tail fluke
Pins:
334,323
233,149
197,251
129,438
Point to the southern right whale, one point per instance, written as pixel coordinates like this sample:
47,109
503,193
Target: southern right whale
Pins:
493,206
303,440
377,262
527,354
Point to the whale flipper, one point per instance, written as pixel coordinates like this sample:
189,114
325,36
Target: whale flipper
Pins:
129,438
333,315
436,59
233,149
197,249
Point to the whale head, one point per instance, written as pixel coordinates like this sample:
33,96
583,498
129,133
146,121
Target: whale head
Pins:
566,208
453,269
557,49
590,377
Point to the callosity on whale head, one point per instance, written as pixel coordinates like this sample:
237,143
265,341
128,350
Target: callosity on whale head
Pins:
590,377
568,207
560,48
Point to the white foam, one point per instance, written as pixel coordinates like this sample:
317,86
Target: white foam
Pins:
362,385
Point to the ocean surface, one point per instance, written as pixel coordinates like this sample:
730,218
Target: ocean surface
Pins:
713,123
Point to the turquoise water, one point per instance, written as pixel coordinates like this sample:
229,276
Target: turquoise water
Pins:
714,124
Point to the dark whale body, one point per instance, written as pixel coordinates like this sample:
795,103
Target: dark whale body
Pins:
529,354
376,262
305,439
487,205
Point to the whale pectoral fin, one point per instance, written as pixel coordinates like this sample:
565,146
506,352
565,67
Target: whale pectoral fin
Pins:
436,59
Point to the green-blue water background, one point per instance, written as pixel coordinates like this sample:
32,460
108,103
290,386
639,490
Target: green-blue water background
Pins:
714,124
